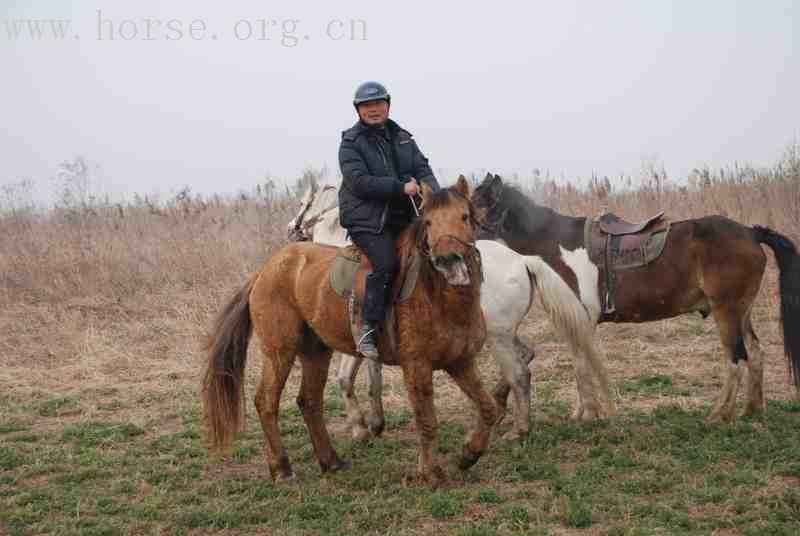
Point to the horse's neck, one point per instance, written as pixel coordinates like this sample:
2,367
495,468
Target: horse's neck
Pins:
328,231
537,230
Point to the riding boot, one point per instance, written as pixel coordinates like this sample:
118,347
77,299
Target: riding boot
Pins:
373,314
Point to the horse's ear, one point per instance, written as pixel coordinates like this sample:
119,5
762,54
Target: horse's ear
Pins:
462,186
488,178
496,187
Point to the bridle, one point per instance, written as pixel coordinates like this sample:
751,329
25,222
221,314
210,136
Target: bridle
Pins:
472,251
301,227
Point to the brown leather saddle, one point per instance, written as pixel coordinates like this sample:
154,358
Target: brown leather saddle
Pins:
615,245
349,280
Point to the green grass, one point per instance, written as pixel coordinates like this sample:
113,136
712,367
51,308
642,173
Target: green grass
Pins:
660,471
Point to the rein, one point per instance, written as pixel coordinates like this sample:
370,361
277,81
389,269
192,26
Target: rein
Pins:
302,227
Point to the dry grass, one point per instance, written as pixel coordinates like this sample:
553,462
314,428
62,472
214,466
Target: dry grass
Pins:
105,307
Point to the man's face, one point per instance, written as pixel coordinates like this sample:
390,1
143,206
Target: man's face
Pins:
374,112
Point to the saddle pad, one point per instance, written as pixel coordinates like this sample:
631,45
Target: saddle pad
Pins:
626,251
623,257
345,267
347,263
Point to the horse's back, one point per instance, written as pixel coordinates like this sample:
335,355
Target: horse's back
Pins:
727,249
506,288
296,261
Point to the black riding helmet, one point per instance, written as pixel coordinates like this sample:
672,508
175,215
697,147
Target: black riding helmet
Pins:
370,91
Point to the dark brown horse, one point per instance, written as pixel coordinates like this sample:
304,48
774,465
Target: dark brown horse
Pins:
296,313
711,265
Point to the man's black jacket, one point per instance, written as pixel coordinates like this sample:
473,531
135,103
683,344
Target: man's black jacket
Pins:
371,196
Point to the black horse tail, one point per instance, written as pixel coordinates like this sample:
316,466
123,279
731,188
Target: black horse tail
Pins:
789,266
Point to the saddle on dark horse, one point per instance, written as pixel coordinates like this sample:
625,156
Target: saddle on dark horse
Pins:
349,280
615,245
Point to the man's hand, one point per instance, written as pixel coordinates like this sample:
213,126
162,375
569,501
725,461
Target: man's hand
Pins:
411,187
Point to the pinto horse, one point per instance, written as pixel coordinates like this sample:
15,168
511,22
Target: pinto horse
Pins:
711,265
296,313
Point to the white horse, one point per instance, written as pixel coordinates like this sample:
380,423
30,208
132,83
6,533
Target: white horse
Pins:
506,297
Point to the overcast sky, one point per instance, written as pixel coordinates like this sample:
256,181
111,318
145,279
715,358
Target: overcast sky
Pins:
572,88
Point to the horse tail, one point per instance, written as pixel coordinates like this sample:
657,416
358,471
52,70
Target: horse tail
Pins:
569,316
564,309
223,386
789,266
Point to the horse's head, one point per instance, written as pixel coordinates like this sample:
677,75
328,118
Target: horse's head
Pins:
449,228
313,205
490,212
295,227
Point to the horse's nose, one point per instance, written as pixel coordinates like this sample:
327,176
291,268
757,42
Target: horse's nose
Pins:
447,261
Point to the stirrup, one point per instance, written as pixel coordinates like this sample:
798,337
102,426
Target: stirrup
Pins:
367,345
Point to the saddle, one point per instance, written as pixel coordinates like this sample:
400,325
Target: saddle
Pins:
349,280
615,245
612,224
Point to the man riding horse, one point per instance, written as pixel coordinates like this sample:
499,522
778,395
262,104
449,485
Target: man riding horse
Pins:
381,166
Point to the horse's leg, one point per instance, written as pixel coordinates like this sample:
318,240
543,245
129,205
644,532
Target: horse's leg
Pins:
309,400
346,377
755,402
375,418
518,379
277,363
587,407
466,377
594,398
729,322
503,387
418,377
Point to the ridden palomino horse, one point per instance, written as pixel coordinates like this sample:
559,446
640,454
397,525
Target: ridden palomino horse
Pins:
296,313
510,281
711,265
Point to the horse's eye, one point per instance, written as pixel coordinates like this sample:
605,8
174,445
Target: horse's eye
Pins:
465,217
427,223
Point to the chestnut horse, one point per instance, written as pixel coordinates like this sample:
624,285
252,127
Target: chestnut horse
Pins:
296,313
510,281
711,265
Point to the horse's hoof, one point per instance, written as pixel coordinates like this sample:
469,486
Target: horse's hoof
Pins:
286,478
282,471
437,477
590,414
376,427
360,434
718,417
468,459
751,410
337,465
513,436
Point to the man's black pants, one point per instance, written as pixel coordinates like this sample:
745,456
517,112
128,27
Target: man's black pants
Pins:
379,249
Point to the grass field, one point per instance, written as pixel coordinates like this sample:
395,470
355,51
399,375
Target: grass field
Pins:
102,320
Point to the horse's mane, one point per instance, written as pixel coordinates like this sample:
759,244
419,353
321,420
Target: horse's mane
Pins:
522,211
